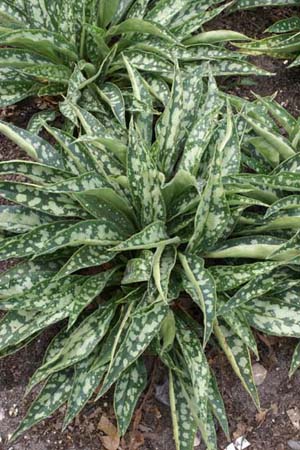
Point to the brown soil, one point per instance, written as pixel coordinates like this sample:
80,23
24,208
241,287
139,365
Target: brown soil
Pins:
269,430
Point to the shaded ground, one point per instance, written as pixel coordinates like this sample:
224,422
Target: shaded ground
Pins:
269,430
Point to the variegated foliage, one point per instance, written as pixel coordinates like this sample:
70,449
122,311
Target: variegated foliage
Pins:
284,42
203,205
43,42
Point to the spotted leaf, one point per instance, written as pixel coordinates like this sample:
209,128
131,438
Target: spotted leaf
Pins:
196,364
200,285
295,364
273,316
85,382
169,126
144,325
85,256
144,181
138,269
53,395
238,356
128,389
81,342
184,426
36,147
150,237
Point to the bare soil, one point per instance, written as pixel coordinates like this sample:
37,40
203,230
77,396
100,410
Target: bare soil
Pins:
270,429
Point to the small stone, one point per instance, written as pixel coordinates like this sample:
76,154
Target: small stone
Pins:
2,414
197,440
294,416
13,411
294,445
259,374
162,392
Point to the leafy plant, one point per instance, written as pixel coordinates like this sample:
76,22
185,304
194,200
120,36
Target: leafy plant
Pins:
42,42
285,42
165,214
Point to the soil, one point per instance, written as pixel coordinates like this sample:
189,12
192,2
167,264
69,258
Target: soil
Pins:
270,429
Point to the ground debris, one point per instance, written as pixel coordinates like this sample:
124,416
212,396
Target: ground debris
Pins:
294,445
111,441
294,416
259,374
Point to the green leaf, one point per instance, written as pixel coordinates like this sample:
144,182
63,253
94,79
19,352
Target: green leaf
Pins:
138,269
24,275
90,289
18,219
228,67
85,182
281,114
230,277
53,395
216,403
81,342
85,256
45,294
254,247
16,326
164,261
44,42
214,36
128,389
18,58
140,91
32,242
144,181
12,14
148,62
35,147
145,324
247,4
158,88
76,156
12,92
48,72
36,198
284,25
273,316
196,364
84,384
277,141
107,9
200,285
213,212
168,332
202,131
106,203
256,287
150,237
239,358
184,427
38,119
123,7
142,27
164,11
36,172
92,232
112,95
295,364
169,126
138,9
237,322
